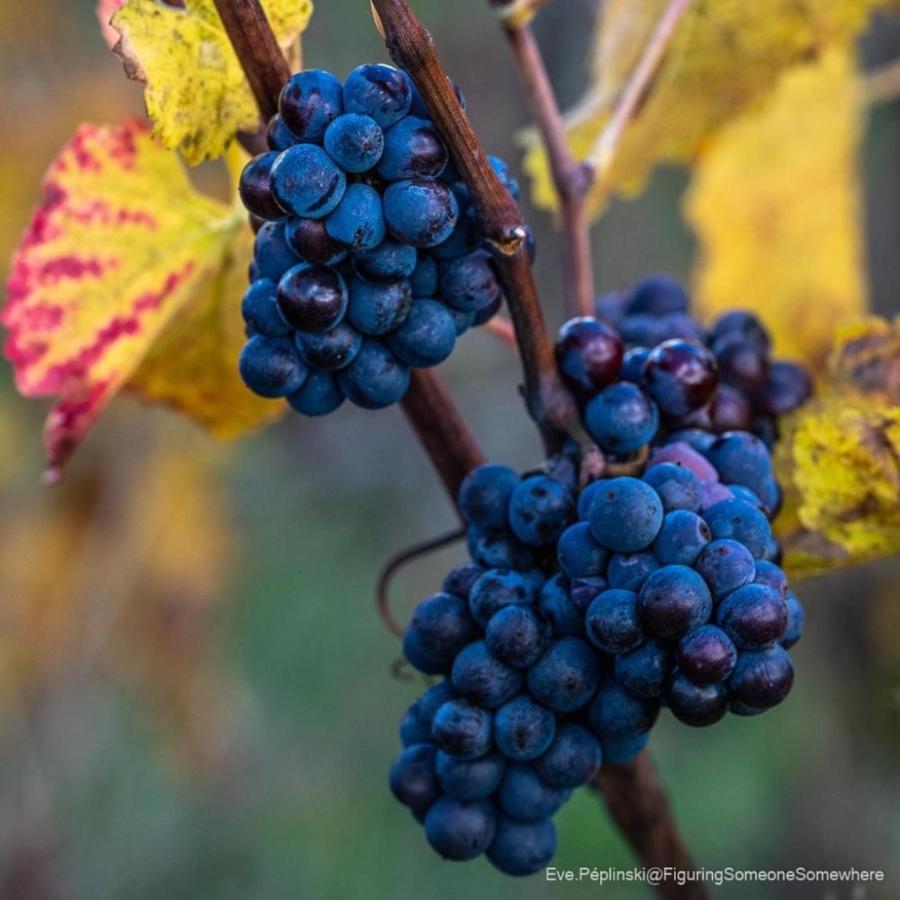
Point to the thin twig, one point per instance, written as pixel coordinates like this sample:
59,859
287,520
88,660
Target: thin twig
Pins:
636,89
441,429
412,48
640,808
395,563
571,178
502,329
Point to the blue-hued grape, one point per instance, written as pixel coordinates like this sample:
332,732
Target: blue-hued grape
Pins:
357,221
388,261
462,321
523,729
459,580
318,396
741,458
498,550
696,704
412,729
769,574
515,636
331,351
309,102
565,677
572,759
413,780
645,670
583,592
626,515
505,176
464,238
433,699
618,751
272,253
427,335
375,378
681,376
424,278
681,539
312,298
279,135
796,620
740,324
354,142
725,565
255,188
306,182
742,522
657,296
558,609
678,487
469,283
762,678
711,493
462,729
486,313
310,240
419,212
706,655
754,616
612,622
588,354
378,308
440,627
579,554
483,679
460,830
485,494
412,149
621,418
496,589
629,571
696,438
788,387
633,364
539,510
522,848
379,91
270,367
260,311
673,601
525,797
615,713
469,779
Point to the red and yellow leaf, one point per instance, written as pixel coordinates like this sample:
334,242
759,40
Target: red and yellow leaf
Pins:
123,253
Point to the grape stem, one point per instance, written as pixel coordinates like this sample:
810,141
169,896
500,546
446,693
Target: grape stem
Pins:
441,429
570,177
638,805
412,48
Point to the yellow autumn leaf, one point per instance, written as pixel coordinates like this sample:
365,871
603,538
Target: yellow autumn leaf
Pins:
776,206
839,457
196,92
127,276
725,57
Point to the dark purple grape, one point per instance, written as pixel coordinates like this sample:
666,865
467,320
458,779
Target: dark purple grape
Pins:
681,376
312,298
588,354
255,188
309,238
788,387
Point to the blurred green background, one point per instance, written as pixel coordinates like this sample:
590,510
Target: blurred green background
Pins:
196,694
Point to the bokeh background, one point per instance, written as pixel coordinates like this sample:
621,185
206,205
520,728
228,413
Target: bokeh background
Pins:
197,697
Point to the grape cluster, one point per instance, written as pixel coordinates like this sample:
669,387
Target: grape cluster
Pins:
368,259
580,616
717,380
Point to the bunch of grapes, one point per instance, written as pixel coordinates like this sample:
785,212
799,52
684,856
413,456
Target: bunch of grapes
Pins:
368,258
585,612
753,390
